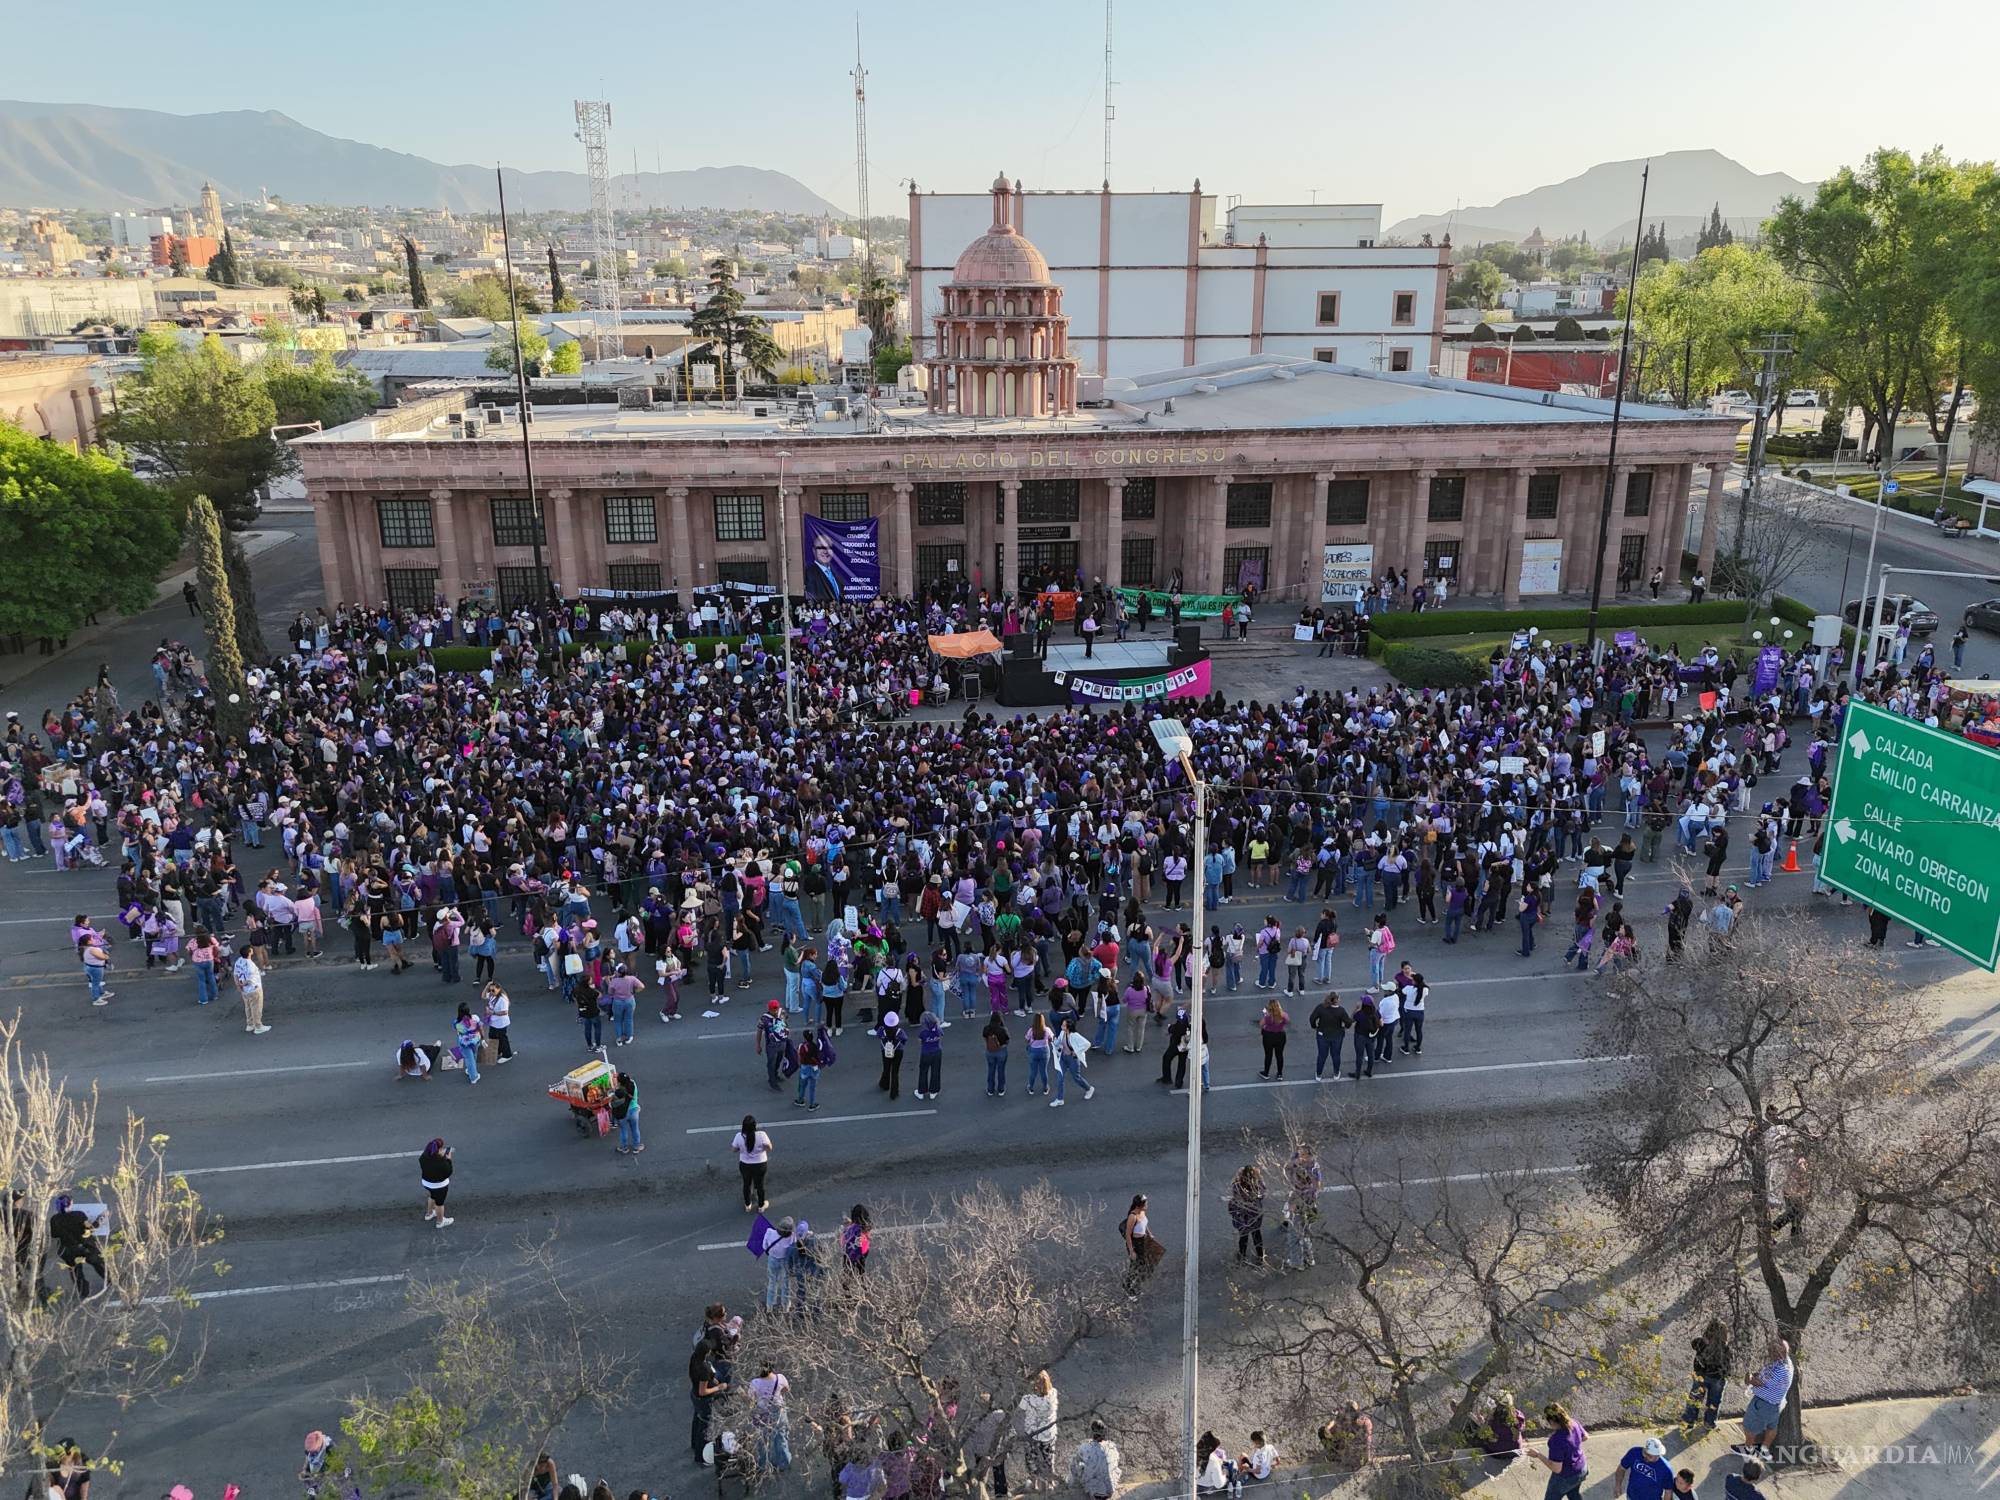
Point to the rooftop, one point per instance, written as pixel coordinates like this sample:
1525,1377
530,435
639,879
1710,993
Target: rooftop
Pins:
1252,392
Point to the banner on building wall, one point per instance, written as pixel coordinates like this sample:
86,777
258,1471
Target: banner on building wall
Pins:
843,558
1193,606
1179,682
1250,574
1541,567
1345,571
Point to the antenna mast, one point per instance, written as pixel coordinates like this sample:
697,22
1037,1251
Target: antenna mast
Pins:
593,128
860,76
1110,109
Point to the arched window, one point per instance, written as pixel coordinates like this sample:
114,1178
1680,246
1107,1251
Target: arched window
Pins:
991,405
992,348
989,305
1010,307
1010,347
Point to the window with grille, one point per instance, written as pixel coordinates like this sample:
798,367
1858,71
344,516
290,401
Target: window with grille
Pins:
843,505
1406,308
940,505
636,577
1047,501
405,523
1141,496
411,588
1347,502
1249,506
743,572
630,518
521,586
1631,557
1136,562
1544,492
1639,493
1245,567
1447,502
935,559
514,523
1327,312
1437,553
739,518
1399,359
1327,356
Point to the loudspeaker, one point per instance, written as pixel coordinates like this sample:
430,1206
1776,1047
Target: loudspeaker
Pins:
1187,643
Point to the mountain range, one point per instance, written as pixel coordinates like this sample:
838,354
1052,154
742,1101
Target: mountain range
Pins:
95,156
1603,202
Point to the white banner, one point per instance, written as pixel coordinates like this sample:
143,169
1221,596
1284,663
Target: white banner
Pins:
1345,571
1541,567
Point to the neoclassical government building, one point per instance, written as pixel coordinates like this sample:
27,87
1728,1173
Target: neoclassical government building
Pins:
1272,469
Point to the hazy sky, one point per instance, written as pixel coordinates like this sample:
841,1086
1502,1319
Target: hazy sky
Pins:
1414,104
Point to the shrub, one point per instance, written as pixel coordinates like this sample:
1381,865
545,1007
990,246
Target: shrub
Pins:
1432,667
1394,627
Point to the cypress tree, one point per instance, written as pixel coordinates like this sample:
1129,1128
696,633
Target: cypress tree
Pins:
556,292
218,607
420,295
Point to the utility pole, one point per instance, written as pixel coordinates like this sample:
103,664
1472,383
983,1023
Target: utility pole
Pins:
521,393
1110,110
1611,454
1774,345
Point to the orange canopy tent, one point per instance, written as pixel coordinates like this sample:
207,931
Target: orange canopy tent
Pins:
965,645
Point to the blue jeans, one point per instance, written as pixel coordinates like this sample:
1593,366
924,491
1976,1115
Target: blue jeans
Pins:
252,836
1562,1487
1452,921
628,1129
1376,960
621,1017
742,964
1364,886
792,991
1107,1029
808,1083
470,1055
1323,966
787,909
1232,974
1267,969
95,974
1038,1068
1329,1049
205,988
968,992
1295,886
996,1072
1211,894
593,1032
1063,1070
777,1280
11,837
774,1440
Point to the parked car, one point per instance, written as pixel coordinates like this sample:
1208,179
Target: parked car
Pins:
1985,615
1802,398
1923,620
1739,398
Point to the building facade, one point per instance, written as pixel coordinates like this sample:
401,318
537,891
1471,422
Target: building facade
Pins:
1153,280
1590,368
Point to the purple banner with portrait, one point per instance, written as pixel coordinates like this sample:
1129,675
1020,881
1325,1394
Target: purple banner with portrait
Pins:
843,558
1770,662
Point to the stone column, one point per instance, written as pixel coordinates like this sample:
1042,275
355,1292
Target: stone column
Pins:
1614,528
1214,522
1711,517
1010,538
444,526
558,544
1417,530
1313,583
1661,515
680,556
791,504
1114,531
1512,535
906,540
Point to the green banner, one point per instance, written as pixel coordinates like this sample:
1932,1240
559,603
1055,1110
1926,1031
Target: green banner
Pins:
1193,606
1914,829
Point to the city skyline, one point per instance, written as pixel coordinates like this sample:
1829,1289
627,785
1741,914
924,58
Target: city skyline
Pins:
1376,133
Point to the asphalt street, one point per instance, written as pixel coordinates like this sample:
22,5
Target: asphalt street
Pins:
304,1141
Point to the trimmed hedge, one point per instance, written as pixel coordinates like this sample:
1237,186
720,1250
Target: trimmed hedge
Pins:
477,658
1431,666
1395,627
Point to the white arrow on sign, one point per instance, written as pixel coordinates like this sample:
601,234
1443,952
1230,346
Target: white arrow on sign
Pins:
1845,828
1858,742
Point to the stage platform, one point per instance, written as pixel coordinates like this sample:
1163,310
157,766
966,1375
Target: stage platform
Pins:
1111,656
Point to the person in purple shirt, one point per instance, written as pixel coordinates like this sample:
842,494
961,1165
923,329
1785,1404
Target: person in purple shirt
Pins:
1564,1458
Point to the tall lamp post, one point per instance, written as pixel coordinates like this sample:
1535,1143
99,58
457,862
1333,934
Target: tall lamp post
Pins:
1177,745
521,392
1617,414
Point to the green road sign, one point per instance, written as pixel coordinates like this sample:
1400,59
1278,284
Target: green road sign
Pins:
1914,829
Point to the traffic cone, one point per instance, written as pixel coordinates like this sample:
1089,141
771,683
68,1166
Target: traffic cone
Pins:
1792,858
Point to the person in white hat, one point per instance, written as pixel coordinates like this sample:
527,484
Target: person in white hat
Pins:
1644,1473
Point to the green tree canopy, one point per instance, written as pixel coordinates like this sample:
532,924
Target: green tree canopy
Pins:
501,355
486,297
742,335
316,392
566,359
1700,318
889,361
77,532
1478,284
204,419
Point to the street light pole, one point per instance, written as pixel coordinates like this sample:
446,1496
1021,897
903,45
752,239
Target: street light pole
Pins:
521,392
1617,414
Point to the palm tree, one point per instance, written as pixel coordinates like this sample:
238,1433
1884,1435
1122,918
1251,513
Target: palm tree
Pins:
877,303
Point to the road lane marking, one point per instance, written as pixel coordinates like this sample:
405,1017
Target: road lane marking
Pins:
1549,1062
743,1244
887,1114
316,1161
251,1072
1376,1187
289,1286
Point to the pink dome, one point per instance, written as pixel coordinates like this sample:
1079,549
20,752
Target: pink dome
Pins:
1002,256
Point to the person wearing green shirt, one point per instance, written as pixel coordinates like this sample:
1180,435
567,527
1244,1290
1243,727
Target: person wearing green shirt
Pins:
789,956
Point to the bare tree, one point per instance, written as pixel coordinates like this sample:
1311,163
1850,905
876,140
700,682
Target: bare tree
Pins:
125,1342
502,1382
1799,1118
1433,1287
940,1339
1789,528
